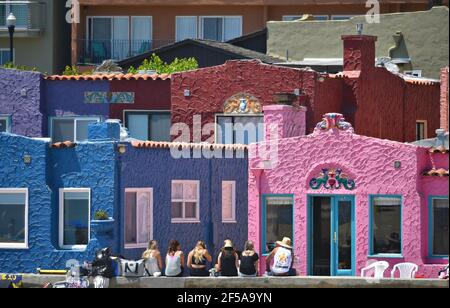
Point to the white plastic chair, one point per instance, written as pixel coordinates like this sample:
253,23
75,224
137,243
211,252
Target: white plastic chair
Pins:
407,270
378,268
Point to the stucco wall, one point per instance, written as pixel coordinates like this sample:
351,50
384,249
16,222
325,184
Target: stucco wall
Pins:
425,34
155,168
370,162
86,166
21,98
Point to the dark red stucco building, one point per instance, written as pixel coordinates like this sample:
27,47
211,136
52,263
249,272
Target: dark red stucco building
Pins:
377,102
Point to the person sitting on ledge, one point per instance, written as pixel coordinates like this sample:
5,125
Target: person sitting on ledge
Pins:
174,260
228,261
283,259
153,259
248,265
197,259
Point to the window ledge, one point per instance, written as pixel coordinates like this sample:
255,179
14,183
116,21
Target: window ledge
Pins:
229,221
136,246
185,221
13,247
438,257
387,255
73,248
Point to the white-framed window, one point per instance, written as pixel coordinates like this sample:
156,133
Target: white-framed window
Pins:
421,129
228,201
414,73
185,206
5,124
438,229
341,17
74,218
141,34
13,218
297,17
5,55
138,217
148,125
108,37
70,128
239,129
220,28
186,27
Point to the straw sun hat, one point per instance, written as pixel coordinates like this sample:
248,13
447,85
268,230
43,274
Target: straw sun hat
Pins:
286,243
228,244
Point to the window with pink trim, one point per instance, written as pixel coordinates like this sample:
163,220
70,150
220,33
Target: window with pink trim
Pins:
229,201
185,207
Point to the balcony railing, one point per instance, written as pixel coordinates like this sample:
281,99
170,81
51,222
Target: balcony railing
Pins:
96,51
29,15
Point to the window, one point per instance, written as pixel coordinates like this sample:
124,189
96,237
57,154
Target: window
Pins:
141,34
220,28
185,201
108,37
186,27
4,56
228,201
297,17
21,12
74,217
13,218
5,125
148,125
386,233
438,227
421,129
414,73
239,129
341,17
71,129
278,220
138,217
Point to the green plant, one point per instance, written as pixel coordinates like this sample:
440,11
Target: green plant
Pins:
154,63
73,71
11,65
101,215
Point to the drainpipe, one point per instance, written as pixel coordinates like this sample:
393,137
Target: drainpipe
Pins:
257,173
208,227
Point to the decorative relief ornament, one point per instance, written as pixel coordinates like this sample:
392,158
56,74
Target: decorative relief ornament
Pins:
334,121
242,104
332,178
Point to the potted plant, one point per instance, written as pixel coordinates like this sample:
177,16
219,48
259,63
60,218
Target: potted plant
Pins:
285,98
102,223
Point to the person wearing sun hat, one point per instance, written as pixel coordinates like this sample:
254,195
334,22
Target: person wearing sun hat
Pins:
282,257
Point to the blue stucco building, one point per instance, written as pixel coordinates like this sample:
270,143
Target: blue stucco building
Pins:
50,195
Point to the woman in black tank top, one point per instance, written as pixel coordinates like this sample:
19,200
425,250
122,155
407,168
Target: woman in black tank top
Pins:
228,261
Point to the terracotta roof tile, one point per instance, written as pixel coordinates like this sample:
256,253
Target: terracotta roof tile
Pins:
110,77
63,145
181,145
436,172
439,149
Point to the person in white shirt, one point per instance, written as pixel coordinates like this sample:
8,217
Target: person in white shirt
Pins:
283,259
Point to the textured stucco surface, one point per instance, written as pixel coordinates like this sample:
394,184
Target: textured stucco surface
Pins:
21,98
444,98
89,165
370,162
155,168
426,41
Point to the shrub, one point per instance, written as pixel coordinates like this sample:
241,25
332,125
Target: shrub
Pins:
154,63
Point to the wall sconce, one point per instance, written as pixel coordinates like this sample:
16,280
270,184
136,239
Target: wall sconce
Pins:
321,79
121,148
397,164
27,159
187,93
298,92
24,92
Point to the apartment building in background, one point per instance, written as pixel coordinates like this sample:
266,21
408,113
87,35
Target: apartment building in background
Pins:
41,37
119,29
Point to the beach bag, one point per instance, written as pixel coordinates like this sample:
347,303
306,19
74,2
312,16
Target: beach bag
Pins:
132,268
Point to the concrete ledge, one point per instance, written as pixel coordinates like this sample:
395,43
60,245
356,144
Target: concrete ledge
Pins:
37,281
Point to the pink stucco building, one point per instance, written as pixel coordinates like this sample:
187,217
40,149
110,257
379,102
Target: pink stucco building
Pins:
347,199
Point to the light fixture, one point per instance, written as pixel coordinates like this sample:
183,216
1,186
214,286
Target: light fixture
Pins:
360,28
397,164
27,159
122,148
187,93
11,23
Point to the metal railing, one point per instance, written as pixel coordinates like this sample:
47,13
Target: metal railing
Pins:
29,14
96,51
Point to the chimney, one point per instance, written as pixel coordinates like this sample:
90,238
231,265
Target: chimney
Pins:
283,120
101,131
359,52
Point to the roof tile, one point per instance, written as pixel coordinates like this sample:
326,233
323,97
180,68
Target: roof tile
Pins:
110,77
436,172
182,145
63,145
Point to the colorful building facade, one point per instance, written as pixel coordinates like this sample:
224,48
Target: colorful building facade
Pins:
347,199
52,193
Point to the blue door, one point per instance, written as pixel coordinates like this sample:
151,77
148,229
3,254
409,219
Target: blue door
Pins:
331,235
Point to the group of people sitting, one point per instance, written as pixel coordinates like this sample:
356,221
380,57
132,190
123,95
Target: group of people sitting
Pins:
230,262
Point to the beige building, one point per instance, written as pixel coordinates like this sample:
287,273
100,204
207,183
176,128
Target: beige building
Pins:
122,28
417,42
42,36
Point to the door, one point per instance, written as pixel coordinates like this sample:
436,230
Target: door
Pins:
331,235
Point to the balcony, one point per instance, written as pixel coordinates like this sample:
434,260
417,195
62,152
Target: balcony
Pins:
29,14
96,51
